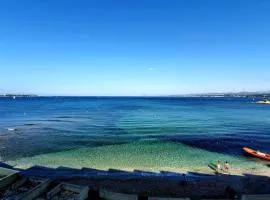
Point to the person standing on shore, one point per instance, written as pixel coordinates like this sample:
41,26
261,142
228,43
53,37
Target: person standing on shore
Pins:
218,167
227,167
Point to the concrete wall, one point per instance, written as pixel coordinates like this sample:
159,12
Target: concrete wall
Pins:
217,199
35,192
166,198
83,194
81,191
256,197
121,196
5,171
8,180
116,196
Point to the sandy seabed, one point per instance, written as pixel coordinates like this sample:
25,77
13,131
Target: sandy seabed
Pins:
152,156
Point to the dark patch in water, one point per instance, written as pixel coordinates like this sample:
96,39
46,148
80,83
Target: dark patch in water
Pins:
52,120
64,117
90,143
31,145
30,124
222,144
57,120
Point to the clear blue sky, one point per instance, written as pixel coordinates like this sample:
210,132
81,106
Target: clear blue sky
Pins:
134,47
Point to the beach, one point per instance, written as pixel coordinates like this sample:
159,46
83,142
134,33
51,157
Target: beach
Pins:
153,157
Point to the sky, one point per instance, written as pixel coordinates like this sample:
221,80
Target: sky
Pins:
134,47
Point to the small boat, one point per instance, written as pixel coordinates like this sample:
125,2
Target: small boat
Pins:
257,154
263,102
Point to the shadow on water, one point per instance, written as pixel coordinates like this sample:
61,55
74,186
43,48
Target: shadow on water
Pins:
4,165
212,166
50,140
163,183
231,145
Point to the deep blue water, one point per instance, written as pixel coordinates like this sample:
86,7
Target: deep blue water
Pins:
52,124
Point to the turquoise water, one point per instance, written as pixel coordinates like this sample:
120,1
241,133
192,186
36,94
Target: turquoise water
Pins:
175,134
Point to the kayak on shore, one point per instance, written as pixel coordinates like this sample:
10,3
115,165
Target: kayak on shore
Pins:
257,154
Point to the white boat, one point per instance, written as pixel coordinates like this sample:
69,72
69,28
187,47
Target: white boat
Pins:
263,102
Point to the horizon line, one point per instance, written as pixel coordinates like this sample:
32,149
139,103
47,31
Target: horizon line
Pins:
141,95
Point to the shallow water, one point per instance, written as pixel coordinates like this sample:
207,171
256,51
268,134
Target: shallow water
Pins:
179,134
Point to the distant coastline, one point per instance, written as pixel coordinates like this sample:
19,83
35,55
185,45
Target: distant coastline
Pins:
230,94
227,95
18,95
263,95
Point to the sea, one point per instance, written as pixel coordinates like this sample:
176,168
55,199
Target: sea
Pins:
133,133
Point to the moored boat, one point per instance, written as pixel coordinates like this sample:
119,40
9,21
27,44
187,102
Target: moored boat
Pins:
258,154
263,102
